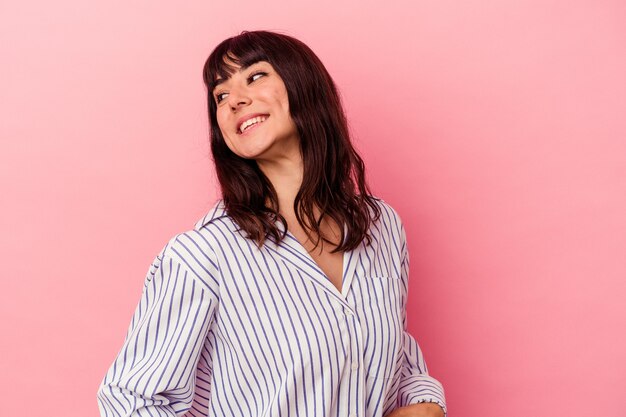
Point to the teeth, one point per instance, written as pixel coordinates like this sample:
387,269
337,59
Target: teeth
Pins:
250,122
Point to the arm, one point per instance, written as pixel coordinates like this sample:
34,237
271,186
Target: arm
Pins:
416,386
154,373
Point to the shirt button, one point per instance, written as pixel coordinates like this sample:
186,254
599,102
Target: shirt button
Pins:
347,312
355,365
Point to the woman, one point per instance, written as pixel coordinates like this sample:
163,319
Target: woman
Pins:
289,297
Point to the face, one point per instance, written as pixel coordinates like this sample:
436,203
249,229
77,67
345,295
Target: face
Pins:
253,113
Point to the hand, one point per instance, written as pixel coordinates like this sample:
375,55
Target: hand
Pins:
418,410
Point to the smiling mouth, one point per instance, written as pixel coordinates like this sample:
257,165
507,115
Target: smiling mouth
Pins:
251,124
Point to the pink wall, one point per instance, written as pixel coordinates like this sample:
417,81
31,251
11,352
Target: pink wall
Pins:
495,128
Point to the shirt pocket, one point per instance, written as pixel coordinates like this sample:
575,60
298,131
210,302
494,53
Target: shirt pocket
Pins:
382,325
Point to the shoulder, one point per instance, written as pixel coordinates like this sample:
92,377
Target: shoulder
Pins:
195,249
217,211
189,243
388,214
391,225
191,254
216,226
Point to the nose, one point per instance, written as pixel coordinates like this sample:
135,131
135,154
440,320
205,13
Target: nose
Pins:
238,98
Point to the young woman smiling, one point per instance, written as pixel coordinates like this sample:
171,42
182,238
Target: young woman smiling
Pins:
288,298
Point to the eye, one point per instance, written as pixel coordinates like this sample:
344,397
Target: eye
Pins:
219,97
260,73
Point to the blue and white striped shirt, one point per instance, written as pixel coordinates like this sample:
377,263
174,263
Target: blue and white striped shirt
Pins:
224,328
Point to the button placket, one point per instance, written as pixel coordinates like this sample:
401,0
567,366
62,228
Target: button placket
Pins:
356,352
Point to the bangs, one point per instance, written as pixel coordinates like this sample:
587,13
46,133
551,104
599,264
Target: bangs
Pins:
240,50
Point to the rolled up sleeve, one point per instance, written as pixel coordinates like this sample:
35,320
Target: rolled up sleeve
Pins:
416,385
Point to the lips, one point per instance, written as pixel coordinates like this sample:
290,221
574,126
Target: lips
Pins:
247,122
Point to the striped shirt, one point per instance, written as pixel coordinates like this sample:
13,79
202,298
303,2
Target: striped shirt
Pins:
224,328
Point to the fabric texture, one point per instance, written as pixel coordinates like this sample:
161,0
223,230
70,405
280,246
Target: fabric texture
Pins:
224,328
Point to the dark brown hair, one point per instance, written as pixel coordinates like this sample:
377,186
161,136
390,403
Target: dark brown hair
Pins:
334,173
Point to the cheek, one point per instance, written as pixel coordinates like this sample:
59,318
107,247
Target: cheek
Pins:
283,99
221,123
276,96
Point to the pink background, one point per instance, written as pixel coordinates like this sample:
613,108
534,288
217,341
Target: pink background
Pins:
497,129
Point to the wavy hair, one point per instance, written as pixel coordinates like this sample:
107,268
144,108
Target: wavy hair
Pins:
334,173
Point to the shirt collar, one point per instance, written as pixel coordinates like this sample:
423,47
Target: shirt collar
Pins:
290,250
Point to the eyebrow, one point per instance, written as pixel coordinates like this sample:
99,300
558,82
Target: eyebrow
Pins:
219,81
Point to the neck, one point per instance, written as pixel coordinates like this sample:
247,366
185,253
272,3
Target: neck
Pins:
285,174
